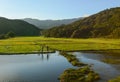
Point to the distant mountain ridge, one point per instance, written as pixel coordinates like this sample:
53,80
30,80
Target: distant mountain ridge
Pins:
19,27
46,24
103,24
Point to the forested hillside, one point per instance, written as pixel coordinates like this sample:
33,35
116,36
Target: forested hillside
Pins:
103,24
19,27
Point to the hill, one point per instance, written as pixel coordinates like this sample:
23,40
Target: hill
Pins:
19,27
46,24
103,24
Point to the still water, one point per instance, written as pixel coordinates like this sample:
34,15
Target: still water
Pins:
48,67
107,71
32,67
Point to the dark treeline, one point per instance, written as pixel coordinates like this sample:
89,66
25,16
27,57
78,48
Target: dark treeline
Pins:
7,35
103,24
21,28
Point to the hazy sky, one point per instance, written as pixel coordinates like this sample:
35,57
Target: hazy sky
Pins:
53,9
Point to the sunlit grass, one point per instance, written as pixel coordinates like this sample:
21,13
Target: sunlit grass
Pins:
32,44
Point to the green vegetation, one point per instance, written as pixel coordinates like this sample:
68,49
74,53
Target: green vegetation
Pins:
72,59
2,36
19,27
33,44
8,35
115,80
103,24
81,74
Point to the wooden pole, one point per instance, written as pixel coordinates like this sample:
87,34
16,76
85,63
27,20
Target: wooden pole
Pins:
47,48
42,48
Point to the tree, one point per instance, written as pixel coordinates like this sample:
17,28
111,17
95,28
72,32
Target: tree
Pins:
10,34
116,33
2,36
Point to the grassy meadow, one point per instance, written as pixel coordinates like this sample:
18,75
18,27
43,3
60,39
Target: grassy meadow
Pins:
33,44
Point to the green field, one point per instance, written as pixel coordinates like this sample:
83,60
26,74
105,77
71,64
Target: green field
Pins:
33,44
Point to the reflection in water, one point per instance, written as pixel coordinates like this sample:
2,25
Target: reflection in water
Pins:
32,68
106,71
37,68
44,56
48,56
